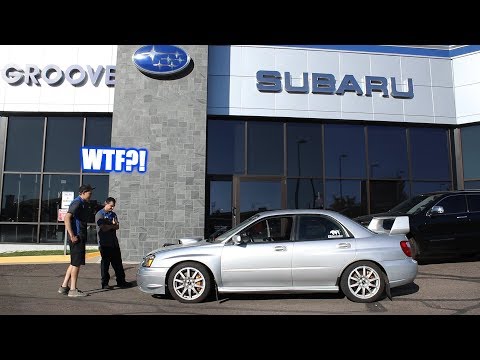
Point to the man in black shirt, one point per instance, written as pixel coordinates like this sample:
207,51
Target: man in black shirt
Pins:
76,223
107,226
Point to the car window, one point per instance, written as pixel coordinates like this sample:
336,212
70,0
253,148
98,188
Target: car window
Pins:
473,202
453,204
319,228
272,229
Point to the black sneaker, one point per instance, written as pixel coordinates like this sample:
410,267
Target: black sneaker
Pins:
107,287
124,285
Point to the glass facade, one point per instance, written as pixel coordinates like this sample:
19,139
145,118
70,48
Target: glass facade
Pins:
354,169
42,159
470,150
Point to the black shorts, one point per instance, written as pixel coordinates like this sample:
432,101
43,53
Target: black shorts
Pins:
77,252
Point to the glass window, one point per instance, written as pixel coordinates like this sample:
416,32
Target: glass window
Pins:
348,197
271,229
304,150
24,143
99,195
53,185
279,228
258,196
473,202
18,233
384,195
226,147
20,197
387,152
470,151
472,185
453,204
98,131
304,194
53,234
64,140
319,228
265,148
220,210
422,187
429,153
344,151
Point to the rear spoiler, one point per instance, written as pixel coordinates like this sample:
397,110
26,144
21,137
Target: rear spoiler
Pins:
401,225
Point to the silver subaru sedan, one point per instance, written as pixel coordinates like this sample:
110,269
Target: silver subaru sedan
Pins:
285,251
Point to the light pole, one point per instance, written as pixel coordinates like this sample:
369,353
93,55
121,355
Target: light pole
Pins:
299,141
340,157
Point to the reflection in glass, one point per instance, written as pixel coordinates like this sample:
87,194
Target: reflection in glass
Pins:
470,151
99,195
387,151
18,233
304,194
64,140
226,147
220,209
24,143
384,195
258,196
304,149
422,187
53,185
472,185
52,234
20,197
265,148
353,200
344,151
429,153
98,131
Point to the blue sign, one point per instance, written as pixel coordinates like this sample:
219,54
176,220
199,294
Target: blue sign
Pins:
99,159
160,60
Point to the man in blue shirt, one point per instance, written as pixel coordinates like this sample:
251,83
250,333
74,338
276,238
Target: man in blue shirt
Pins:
76,223
107,226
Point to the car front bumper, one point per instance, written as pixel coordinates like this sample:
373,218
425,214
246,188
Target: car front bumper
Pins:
152,280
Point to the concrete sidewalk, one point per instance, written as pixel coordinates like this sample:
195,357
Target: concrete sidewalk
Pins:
92,257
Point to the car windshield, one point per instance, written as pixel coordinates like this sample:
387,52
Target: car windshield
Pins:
415,204
233,230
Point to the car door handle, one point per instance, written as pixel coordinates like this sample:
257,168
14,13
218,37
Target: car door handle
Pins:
280,248
344,246
462,217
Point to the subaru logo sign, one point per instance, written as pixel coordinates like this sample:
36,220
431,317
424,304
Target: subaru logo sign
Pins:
161,60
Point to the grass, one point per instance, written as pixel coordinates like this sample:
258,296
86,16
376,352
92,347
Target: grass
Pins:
39,252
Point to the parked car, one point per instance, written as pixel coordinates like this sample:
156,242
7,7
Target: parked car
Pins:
441,223
283,251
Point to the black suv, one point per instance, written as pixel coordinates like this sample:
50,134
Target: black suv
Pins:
441,223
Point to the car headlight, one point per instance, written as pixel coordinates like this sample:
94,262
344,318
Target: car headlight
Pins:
148,260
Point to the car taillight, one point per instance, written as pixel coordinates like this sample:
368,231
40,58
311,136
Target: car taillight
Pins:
405,245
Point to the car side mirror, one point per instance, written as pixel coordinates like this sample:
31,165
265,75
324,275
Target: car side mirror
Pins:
237,239
436,210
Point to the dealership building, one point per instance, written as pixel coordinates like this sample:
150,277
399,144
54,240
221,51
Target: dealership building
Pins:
205,136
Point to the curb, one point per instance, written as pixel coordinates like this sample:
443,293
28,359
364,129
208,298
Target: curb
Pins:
14,260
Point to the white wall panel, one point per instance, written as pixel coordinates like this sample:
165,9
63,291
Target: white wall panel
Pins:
417,69
357,65
64,96
421,104
441,71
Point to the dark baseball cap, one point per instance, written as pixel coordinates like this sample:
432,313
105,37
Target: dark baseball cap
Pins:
85,188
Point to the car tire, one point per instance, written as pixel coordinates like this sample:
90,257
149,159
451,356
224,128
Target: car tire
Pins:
363,282
190,282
